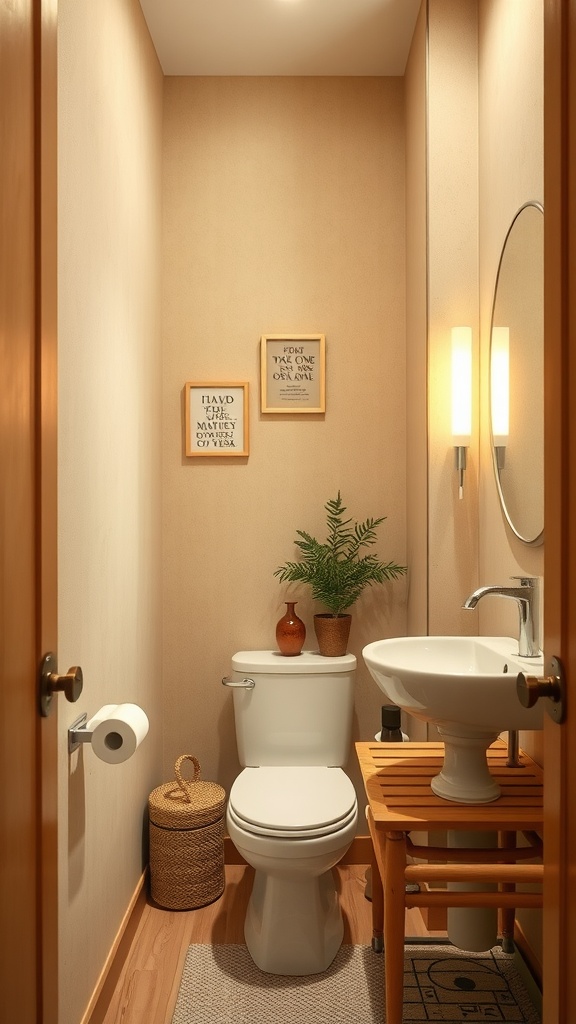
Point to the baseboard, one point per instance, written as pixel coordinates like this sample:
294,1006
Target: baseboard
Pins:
231,855
359,852
435,918
96,1010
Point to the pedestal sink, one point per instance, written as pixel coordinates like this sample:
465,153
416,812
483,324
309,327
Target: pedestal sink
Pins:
465,686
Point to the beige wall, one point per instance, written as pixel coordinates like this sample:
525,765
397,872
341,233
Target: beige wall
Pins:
484,160
452,301
417,330
283,212
110,96
511,173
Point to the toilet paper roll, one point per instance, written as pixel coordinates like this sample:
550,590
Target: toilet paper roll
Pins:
117,730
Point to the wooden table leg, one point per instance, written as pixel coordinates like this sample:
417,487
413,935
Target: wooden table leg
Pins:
394,915
377,904
507,914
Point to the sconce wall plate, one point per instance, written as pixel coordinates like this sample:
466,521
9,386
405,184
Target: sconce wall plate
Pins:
461,398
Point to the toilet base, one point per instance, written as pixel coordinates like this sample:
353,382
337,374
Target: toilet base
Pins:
293,926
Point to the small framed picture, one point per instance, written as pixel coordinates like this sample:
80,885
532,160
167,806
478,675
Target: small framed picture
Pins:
292,373
217,418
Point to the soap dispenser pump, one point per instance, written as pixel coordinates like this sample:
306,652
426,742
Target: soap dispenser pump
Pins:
391,731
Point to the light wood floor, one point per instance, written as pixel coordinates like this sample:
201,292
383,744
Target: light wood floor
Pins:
149,982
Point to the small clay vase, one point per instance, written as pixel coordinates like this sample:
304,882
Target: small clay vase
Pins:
290,632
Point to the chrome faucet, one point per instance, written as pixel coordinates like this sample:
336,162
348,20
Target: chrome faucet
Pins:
526,595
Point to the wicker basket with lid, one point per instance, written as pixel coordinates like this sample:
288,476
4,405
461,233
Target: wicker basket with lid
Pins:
186,840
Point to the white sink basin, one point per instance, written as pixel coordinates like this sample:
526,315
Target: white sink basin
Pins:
466,686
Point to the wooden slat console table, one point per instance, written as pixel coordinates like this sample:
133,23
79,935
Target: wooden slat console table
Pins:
397,781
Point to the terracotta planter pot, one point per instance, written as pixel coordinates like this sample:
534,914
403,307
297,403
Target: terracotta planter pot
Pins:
332,632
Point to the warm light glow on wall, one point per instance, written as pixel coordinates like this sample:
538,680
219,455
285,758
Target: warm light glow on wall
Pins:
462,385
500,385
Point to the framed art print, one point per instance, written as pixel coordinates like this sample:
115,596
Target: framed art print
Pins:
292,373
217,418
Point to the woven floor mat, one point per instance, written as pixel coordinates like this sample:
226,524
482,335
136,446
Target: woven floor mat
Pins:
221,985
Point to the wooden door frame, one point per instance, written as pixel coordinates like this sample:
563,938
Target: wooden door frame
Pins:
559,919
560,504
28,620
46,192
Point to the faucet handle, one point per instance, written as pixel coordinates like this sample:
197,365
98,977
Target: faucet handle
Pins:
527,581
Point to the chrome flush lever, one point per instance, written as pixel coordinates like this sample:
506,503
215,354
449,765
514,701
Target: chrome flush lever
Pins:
243,684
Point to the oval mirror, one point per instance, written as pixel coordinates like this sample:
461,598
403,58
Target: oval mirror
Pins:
517,375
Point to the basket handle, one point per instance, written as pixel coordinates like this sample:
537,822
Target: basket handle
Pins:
186,783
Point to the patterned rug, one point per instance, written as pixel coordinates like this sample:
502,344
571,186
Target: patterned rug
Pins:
221,985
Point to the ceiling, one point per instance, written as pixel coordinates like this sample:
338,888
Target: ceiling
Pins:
281,37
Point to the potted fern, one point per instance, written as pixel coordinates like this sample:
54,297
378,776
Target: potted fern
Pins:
337,572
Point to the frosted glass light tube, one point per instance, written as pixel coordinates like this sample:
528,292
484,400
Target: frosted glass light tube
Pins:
461,385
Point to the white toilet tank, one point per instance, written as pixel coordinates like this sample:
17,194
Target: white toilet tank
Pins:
299,711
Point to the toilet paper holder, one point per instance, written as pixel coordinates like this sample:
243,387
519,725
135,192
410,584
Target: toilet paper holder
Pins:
114,732
78,733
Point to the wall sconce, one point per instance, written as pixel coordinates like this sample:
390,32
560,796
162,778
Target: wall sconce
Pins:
461,398
500,391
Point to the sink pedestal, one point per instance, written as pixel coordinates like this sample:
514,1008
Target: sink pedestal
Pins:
465,777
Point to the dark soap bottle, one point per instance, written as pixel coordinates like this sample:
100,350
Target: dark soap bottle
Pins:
391,724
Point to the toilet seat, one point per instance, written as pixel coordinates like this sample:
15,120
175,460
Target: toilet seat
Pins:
296,834
292,802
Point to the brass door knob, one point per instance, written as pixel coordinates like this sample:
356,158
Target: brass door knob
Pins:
71,683
531,688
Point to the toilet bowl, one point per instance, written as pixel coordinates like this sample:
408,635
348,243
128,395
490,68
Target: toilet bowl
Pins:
292,825
292,812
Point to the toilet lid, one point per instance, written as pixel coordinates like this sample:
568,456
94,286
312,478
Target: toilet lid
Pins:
295,801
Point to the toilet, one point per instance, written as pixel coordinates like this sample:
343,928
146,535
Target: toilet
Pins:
292,811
